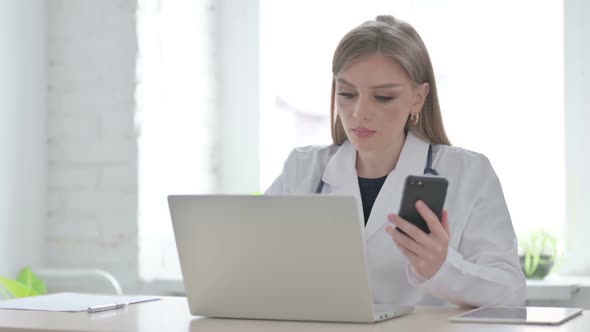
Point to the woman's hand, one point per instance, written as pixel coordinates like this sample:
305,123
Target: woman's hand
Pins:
426,252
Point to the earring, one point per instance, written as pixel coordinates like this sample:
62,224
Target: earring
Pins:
415,118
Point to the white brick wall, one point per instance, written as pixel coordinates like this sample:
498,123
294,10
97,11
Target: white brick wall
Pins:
92,217
92,133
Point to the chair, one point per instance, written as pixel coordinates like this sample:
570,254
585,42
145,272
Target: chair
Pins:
83,280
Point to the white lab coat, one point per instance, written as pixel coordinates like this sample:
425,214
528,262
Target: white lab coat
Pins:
482,265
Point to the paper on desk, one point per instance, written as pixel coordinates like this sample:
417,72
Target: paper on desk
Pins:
69,302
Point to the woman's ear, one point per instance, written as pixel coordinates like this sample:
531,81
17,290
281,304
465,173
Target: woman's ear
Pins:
422,91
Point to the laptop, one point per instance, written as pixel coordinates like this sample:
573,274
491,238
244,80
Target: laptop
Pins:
275,257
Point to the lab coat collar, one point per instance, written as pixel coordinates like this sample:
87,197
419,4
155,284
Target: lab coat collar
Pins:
340,171
341,175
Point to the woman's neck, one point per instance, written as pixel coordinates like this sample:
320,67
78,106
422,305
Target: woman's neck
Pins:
378,163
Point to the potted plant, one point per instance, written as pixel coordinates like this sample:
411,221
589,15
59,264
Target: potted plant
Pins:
25,284
539,253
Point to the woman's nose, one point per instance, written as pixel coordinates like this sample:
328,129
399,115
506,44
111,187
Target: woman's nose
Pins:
362,108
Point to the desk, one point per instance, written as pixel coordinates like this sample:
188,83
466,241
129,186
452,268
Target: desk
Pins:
171,314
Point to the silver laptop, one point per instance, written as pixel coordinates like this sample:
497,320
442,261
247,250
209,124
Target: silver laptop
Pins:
275,257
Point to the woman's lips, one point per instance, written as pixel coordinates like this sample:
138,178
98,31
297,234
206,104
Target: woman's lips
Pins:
363,132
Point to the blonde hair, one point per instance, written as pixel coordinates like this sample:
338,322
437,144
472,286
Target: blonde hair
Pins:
399,41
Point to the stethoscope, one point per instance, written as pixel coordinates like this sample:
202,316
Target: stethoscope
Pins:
427,170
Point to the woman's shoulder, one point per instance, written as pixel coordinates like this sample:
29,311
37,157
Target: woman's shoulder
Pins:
313,152
303,169
469,173
454,157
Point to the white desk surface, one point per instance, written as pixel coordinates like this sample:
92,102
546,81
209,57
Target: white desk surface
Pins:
172,314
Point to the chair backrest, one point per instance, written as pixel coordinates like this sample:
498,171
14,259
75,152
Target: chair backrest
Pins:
79,280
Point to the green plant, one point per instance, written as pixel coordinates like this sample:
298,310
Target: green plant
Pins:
25,284
540,252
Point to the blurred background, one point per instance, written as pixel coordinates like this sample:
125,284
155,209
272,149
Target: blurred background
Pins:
106,107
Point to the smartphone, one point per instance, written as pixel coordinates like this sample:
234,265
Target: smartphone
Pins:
429,189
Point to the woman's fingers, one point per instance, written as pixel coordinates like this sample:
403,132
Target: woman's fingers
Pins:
410,229
410,255
404,241
431,220
445,222
425,252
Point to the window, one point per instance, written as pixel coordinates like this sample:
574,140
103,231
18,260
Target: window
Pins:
175,99
492,61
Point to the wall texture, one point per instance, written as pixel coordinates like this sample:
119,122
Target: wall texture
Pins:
577,135
22,134
91,141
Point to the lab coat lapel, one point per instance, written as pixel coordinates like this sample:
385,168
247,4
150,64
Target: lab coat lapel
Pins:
412,161
340,174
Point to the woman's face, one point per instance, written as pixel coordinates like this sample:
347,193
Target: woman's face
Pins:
374,98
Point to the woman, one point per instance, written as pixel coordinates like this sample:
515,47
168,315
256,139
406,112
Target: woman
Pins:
386,125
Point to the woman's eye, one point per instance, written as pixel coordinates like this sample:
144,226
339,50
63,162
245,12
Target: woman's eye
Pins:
346,95
383,99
